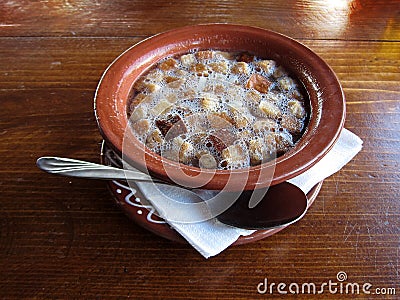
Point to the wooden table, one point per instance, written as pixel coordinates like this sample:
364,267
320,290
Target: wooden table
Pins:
64,238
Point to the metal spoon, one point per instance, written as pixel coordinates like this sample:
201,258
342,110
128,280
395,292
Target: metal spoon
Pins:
281,205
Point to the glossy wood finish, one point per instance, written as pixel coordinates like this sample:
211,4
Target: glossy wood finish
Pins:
65,238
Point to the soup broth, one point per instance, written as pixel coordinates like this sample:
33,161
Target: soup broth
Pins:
218,110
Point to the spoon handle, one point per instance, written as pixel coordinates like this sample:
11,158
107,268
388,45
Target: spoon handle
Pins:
77,168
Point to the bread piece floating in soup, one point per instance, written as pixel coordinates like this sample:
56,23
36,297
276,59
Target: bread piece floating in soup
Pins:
218,110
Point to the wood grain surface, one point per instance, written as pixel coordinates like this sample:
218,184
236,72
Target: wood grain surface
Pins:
64,238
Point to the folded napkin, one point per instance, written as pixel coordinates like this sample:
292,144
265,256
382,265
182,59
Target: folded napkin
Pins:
212,237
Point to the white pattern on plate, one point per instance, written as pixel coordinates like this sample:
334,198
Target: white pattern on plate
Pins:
136,203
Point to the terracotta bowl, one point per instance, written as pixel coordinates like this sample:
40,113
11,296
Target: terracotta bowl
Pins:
326,100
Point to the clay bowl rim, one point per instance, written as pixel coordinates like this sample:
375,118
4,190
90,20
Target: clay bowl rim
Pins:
326,95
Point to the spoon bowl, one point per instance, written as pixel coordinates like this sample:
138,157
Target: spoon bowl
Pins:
281,205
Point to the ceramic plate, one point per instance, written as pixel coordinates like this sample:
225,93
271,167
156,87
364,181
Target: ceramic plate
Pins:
130,201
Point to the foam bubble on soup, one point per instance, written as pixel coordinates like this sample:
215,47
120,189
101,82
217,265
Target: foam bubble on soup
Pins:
215,109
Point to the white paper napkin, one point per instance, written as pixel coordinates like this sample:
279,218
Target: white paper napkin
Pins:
212,237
